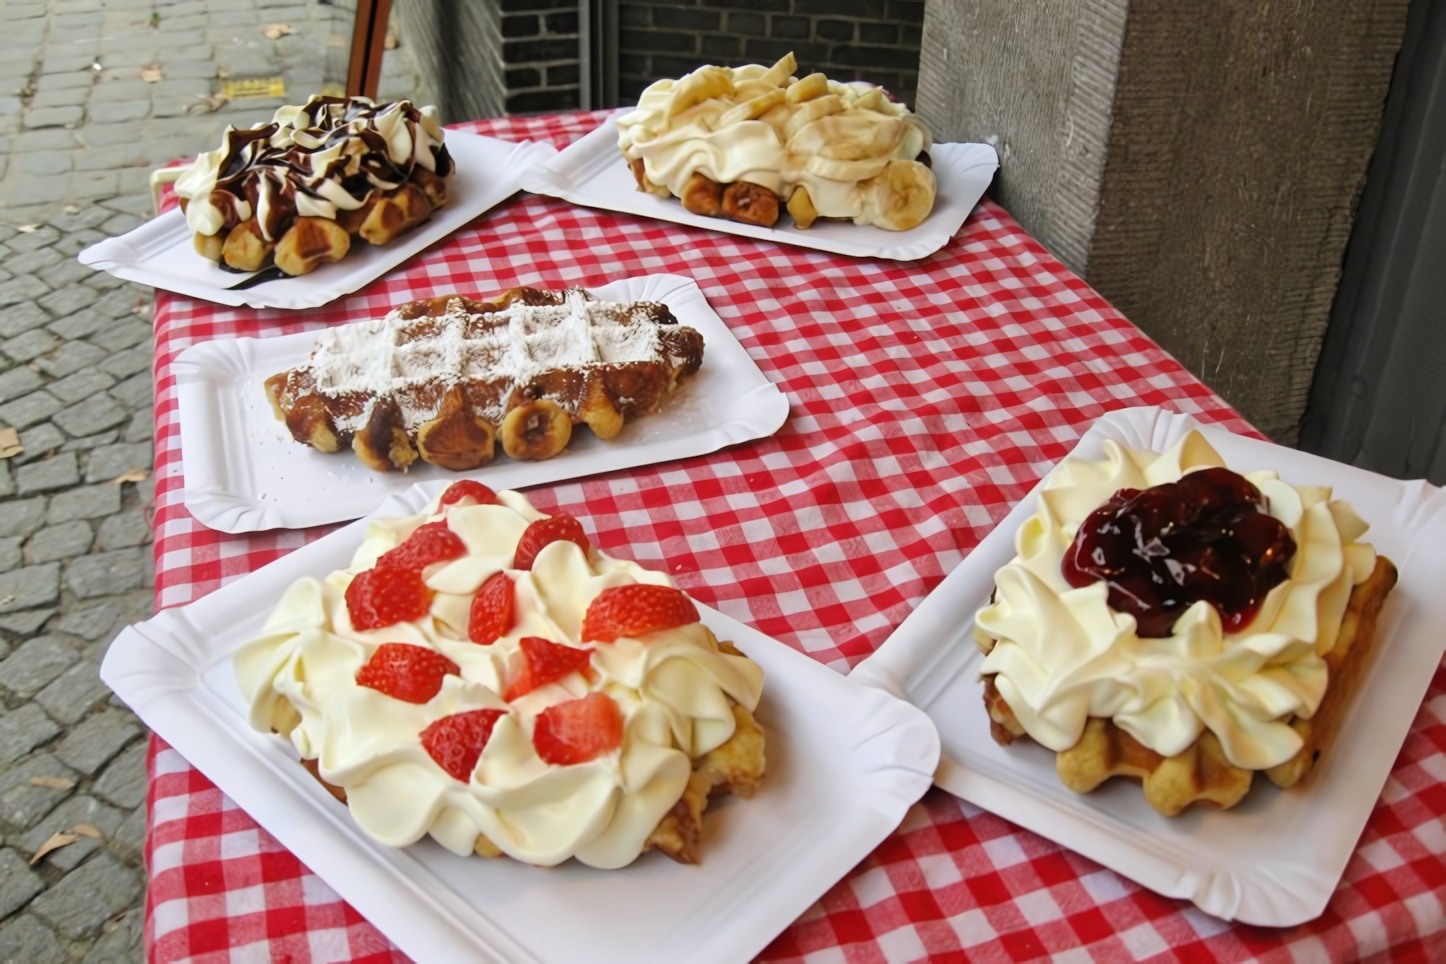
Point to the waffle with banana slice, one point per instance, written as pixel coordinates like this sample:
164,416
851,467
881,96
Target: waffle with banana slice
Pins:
750,143
446,378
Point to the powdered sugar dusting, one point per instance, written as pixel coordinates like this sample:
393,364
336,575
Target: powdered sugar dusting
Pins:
415,360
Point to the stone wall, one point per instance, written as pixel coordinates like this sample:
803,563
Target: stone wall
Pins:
872,40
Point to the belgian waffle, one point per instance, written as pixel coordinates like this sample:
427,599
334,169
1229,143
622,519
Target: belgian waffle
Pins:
444,379
1201,773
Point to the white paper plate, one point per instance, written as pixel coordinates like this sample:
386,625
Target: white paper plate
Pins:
592,172
845,762
244,472
159,253
1275,859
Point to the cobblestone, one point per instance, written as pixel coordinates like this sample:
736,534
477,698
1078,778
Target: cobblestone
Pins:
109,461
96,413
101,736
18,883
26,939
22,517
70,357
74,693
76,810
63,541
87,897
25,623
56,472
29,587
21,317
105,574
24,730
10,554
22,802
30,409
122,531
81,384
90,502
18,381
39,442
31,667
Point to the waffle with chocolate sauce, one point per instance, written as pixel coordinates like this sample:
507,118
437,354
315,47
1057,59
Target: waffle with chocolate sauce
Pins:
297,191
446,378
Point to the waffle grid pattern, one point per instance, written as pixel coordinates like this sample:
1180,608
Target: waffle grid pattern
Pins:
926,399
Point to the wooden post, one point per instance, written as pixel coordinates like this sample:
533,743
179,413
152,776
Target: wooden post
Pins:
368,40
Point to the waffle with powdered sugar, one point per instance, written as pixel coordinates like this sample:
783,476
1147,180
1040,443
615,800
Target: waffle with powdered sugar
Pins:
441,379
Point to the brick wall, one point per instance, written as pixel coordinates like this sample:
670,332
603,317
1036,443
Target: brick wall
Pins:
873,40
540,55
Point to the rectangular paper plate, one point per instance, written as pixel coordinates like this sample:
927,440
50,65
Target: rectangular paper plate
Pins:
159,253
592,172
244,471
1276,858
845,762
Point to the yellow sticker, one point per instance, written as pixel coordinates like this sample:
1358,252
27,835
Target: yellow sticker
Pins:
251,88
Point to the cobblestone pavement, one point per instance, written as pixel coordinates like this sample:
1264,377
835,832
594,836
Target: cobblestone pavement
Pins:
75,567
96,93
93,95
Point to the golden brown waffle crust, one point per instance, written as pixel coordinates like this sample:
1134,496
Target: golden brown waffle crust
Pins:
1201,774
452,415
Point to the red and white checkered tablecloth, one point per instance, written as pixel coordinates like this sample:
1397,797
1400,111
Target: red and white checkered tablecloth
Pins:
926,399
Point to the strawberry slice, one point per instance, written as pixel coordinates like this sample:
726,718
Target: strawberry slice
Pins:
636,609
433,542
491,617
544,532
457,741
385,596
579,730
467,489
412,674
543,662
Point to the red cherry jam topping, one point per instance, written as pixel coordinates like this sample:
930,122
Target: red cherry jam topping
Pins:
1164,548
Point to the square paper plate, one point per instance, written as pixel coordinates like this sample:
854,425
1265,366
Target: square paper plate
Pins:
592,172
844,764
1276,858
159,253
244,471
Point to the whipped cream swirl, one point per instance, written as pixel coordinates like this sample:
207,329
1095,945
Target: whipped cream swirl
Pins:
312,160
673,688
1063,655
841,143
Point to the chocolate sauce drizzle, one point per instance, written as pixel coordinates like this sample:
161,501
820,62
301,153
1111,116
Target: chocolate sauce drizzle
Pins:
330,139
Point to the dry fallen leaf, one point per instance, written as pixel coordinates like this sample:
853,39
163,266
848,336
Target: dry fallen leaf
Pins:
10,443
27,228
56,841
210,105
222,73
54,783
275,31
153,73
86,830
135,475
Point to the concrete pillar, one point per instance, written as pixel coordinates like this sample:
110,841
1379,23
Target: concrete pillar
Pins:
1198,161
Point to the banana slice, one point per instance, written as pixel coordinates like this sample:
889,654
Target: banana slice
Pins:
900,197
814,85
800,206
702,84
782,70
751,109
